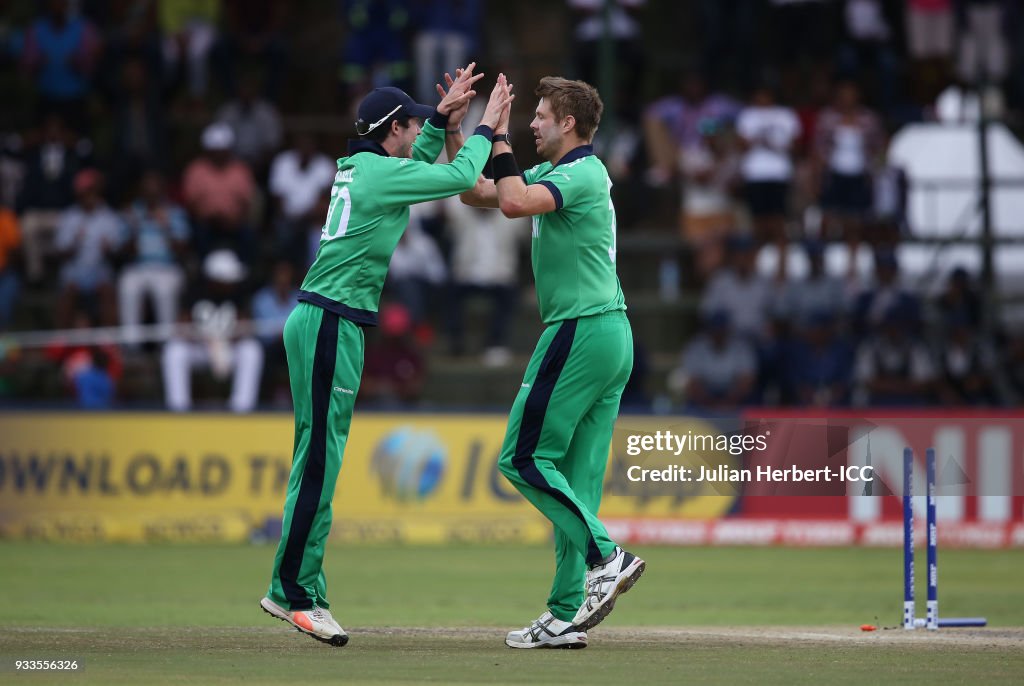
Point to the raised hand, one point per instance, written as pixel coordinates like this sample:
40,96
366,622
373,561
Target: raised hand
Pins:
502,126
456,115
500,100
455,102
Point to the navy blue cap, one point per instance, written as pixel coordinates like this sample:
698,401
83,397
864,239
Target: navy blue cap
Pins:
381,105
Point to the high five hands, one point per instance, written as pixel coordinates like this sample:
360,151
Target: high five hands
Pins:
455,100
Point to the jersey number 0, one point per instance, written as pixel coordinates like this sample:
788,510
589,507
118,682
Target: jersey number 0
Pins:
337,222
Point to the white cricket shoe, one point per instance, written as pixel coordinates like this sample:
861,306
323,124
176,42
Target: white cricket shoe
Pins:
605,583
316,622
547,632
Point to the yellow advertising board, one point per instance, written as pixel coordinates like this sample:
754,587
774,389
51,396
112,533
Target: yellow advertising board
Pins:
414,478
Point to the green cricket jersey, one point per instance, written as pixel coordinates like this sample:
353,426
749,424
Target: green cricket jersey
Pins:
573,248
369,211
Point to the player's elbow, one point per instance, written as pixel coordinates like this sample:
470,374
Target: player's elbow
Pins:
467,181
472,197
512,208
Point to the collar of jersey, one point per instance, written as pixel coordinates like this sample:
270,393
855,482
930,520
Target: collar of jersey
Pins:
575,154
376,148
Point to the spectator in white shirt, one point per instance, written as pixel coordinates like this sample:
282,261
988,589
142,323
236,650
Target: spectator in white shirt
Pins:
485,263
417,267
768,133
298,177
848,143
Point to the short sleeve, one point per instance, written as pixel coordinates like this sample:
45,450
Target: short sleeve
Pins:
566,186
531,174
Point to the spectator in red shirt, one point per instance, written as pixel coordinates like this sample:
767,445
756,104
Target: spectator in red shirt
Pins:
219,191
394,369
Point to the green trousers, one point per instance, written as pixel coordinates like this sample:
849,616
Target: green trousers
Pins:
559,433
325,364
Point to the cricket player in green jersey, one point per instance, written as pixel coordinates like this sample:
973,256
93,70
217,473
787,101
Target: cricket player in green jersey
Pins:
560,426
390,167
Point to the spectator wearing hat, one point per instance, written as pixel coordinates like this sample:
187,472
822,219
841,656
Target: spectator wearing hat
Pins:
219,192
214,340
89,234
718,369
156,238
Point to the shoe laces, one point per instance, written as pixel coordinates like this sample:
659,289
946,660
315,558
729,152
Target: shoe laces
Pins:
319,614
539,625
596,580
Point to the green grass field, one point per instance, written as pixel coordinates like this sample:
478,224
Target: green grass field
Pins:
189,614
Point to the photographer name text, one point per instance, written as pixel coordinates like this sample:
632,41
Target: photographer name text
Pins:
724,474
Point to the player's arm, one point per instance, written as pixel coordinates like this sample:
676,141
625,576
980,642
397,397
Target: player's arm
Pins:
516,198
428,144
483,193
411,181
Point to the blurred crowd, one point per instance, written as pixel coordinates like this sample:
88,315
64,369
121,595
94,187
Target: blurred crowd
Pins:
157,177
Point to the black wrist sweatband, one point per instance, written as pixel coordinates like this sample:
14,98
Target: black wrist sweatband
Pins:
485,131
505,165
438,120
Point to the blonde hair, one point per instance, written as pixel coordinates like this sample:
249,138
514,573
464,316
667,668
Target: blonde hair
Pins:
576,98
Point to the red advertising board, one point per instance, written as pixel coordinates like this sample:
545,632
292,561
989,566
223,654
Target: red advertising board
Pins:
980,483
